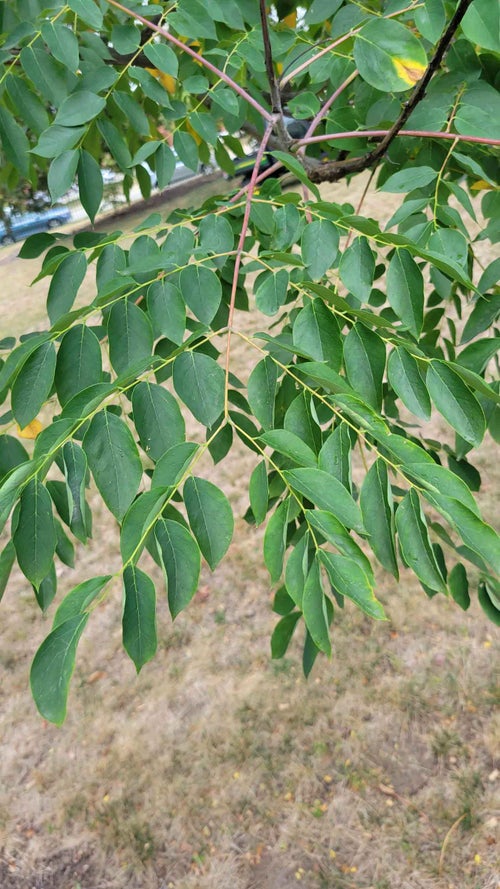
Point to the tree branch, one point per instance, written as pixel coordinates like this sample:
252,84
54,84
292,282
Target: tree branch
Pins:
382,134
274,90
332,171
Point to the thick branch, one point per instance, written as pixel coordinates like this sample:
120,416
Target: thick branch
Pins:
332,171
271,77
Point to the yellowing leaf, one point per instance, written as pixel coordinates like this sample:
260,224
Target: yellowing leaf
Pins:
31,430
409,70
291,19
166,80
481,185
193,133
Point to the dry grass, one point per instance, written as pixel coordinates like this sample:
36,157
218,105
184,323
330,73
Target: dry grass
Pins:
220,769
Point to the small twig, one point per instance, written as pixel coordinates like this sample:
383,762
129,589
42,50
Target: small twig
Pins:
199,58
447,839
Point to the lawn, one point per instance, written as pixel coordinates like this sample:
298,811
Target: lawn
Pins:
218,768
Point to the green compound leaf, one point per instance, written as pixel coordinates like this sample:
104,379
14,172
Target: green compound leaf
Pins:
113,460
180,557
53,667
139,616
211,518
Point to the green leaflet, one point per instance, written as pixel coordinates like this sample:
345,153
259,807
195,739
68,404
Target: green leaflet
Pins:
378,515
130,335
335,455
89,184
333,531
157,418
296,570
259,492
364,358
262,385
406,380
415,545
201,290
210,517
79,599
173,464
79,108
480,537
79,363
349,580
139,616
53,667
62,172
33,384
180,557
217,237
290,445
35,534
357,268
7,559
316,332
271,290
15,145
113,460
326,493
455,402
405,290
75,467
62,43
282,634
319,245
314,609
167,311
199,382
65,285
458,586
139,521
275,541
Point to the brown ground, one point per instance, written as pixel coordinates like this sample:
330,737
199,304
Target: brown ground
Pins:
217,768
